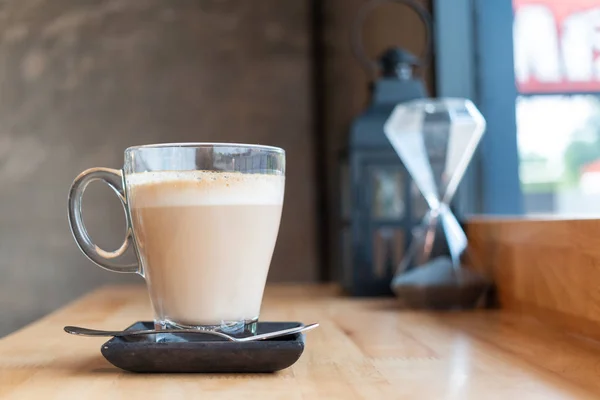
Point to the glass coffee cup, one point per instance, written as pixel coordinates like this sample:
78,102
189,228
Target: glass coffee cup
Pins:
203,220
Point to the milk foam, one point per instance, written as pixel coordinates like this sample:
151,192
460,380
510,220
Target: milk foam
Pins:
194,188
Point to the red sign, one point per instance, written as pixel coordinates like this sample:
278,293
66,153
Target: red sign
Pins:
557,45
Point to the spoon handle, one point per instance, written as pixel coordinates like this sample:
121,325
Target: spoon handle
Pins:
80,331
283,332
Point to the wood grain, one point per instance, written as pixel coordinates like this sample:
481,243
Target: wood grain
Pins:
364,349
547,268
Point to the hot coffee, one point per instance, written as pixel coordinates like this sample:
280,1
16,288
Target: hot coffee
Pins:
203,219
205,240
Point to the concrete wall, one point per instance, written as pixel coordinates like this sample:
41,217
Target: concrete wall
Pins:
80,80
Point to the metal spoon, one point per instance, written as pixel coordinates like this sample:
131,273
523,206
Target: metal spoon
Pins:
77,330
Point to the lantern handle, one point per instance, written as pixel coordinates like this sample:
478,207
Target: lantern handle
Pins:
358,48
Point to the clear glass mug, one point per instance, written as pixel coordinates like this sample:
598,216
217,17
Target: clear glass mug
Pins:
203,219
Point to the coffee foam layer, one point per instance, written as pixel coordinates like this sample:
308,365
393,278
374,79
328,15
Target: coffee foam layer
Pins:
191,188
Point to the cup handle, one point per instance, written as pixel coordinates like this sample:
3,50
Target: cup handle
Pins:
105,259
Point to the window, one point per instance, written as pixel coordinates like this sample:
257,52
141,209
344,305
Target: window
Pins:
557,74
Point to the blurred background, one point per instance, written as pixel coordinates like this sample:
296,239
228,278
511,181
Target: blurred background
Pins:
81,80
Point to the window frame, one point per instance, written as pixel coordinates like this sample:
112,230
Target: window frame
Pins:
474,60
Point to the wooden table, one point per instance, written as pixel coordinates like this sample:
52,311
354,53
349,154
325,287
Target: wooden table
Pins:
365,348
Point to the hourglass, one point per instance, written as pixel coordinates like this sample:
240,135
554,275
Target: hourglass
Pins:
436,140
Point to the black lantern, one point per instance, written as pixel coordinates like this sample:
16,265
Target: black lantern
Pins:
380,205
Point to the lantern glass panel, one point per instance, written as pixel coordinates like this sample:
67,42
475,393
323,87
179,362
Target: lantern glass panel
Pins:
388,193
388,250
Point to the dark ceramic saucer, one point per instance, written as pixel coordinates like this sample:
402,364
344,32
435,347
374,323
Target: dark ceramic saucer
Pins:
202,353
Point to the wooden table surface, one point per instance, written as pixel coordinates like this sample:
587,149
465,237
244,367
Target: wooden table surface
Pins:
364,348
